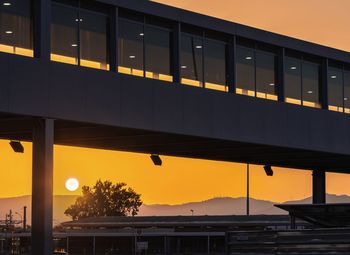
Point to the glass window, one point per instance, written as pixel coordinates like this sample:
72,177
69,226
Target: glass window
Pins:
64,34
79,37
192,60
311,84
245,71
93,40
16,27
266,86
292,85
130,45
335,89
347,91
302,82
215,65
157,53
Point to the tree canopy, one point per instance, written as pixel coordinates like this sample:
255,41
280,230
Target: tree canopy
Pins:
105,199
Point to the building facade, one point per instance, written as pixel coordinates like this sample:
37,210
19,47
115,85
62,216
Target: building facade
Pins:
144,77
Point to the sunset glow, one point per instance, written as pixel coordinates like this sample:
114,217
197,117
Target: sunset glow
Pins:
182,180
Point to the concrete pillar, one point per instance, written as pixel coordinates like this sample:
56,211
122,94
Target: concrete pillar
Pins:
42,186
318,187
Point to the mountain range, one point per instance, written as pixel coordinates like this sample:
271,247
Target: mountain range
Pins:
214,206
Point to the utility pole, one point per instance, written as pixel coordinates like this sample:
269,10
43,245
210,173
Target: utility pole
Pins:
248,190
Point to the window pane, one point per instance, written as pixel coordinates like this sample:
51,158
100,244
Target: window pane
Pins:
192,60
245,72
93,40
292,85
157,46
310,84
130,45
64,34
16,27
347,91
215,65
335,89
266,86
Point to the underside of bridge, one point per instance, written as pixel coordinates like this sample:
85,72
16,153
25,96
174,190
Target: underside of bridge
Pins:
44,133
87,135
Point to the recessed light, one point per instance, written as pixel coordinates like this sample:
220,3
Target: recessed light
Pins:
6,4
132,57
198,46
248,58
9,32
345,99
74,45
142,34
293,68
77,20
272,84
333,77
310,92
183,67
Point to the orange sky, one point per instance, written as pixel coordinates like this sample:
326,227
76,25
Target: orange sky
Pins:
322,21
183,180
177,181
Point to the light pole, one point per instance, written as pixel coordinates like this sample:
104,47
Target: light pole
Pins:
248,189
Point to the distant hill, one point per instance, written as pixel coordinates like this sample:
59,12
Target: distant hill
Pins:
215,206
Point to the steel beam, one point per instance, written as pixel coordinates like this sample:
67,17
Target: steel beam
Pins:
42,186
42,23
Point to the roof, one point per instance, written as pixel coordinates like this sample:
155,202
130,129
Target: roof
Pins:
228,27
181,221
326,215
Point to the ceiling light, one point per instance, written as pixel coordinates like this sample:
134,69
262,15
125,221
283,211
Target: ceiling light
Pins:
272,84
248,58
142,34
293,68
9,32
198,46
74,45
77,20
345,99
157,161
183,67
268,170
333,77
310,92
132,57
6,4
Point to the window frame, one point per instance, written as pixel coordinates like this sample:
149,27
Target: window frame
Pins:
201,35
256,49
144,24
78,10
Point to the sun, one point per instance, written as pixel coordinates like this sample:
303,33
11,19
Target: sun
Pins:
72,184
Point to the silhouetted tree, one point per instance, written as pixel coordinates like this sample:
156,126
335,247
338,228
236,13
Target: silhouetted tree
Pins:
105,199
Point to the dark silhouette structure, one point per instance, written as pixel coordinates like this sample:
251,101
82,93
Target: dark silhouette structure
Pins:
138,76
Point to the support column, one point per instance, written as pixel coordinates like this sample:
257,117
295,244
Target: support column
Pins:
318,187
231,65
42,186
113,40
41,27
280,74
176,53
